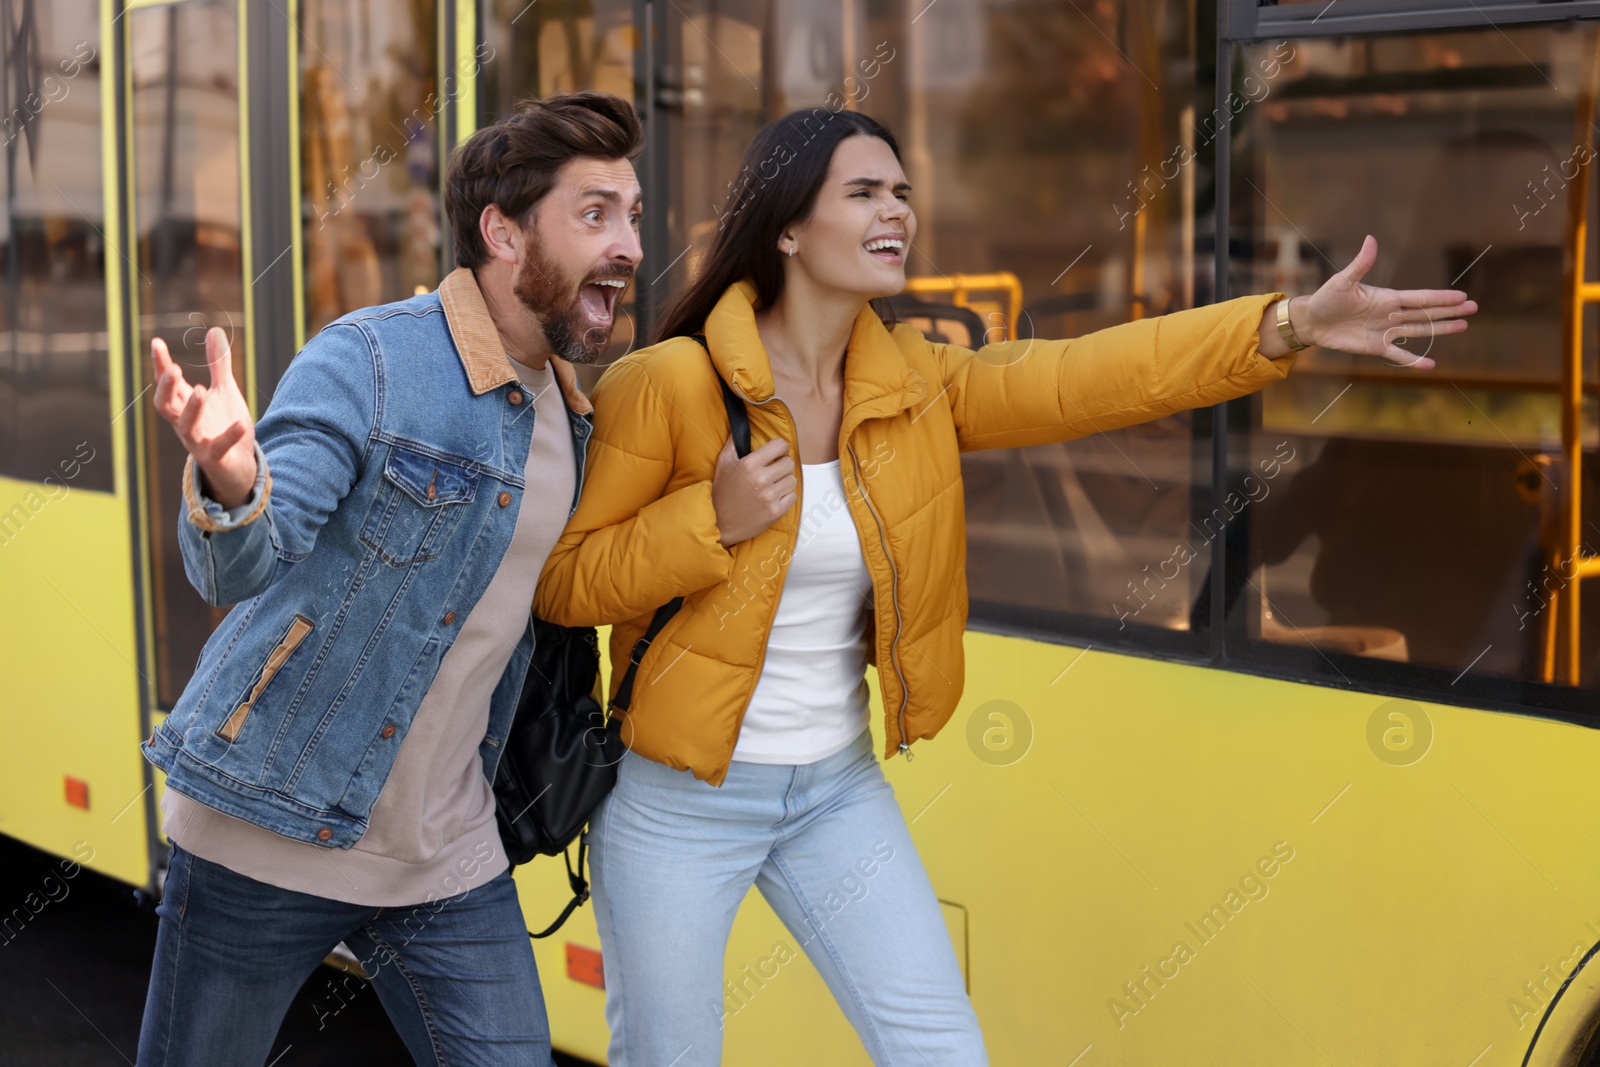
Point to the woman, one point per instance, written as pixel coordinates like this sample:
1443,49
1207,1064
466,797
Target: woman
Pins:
750,755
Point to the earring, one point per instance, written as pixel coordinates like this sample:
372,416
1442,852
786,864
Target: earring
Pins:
792,250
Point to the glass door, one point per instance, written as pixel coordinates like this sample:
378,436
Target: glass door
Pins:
186,204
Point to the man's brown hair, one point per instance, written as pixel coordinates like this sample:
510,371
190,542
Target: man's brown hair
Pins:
513,161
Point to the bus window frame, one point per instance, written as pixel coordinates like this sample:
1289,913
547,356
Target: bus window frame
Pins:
1239,23
1243,21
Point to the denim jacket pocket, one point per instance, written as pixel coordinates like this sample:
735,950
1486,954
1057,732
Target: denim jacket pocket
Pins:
296,633
417,503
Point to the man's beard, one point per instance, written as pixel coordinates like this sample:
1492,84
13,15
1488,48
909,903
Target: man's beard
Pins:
553,297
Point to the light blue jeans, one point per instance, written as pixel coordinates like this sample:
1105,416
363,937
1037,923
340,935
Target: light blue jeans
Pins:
826,844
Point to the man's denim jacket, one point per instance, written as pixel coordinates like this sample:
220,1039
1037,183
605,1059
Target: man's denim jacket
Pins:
390,475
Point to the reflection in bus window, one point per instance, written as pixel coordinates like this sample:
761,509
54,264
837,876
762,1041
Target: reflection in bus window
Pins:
189,266
534,51
1033,136
369,154
1416,520
55,406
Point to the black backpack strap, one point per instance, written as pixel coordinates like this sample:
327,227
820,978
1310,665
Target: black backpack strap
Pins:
739,430
625,690
580,890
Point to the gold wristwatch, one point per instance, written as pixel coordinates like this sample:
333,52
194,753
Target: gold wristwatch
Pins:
1286,329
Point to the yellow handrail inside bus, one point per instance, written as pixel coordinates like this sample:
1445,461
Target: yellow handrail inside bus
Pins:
959,288
1564,550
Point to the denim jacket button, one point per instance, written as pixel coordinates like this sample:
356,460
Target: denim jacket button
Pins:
324,834
388,731
505,499
514,396
449,617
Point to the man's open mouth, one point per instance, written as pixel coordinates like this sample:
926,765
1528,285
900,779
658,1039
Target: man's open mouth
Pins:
599,299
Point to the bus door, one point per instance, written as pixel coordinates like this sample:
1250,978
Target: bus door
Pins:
185,202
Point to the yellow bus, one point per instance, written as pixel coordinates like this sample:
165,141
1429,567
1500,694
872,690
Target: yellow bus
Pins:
1278,718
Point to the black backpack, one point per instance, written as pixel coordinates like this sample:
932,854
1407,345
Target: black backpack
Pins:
562,751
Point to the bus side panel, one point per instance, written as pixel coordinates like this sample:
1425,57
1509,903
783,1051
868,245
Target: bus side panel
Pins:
1166,863
70,703
1190,865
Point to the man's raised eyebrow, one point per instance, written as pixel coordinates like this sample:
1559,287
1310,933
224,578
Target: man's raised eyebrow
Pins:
603,192
878,183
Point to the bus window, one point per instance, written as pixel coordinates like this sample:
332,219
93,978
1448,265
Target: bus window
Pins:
1413,517
1024,130
1073,157
370,108
55,402
716,93
530,52
184,141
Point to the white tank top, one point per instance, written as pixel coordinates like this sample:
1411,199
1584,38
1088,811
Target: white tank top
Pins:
811,698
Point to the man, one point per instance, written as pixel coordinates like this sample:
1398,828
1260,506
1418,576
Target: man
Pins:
381,534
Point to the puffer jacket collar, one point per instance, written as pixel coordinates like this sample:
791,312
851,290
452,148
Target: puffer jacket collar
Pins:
878,380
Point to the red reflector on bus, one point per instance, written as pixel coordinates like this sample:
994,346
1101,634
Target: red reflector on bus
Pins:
583,965
77,792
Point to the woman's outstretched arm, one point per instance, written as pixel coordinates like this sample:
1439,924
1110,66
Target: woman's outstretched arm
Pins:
1032,392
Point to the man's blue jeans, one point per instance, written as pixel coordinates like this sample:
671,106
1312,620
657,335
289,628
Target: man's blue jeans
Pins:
455,975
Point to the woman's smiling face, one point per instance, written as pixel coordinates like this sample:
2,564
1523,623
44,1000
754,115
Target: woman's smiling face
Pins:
858,235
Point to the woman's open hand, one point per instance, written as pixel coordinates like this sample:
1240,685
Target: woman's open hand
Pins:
1353,317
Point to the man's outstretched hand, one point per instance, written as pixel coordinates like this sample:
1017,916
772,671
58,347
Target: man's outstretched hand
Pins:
213,422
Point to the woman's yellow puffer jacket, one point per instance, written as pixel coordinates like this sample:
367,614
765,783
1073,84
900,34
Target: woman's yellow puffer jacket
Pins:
645,530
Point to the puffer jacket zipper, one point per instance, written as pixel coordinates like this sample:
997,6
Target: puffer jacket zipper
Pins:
894,573
894,600
799,503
